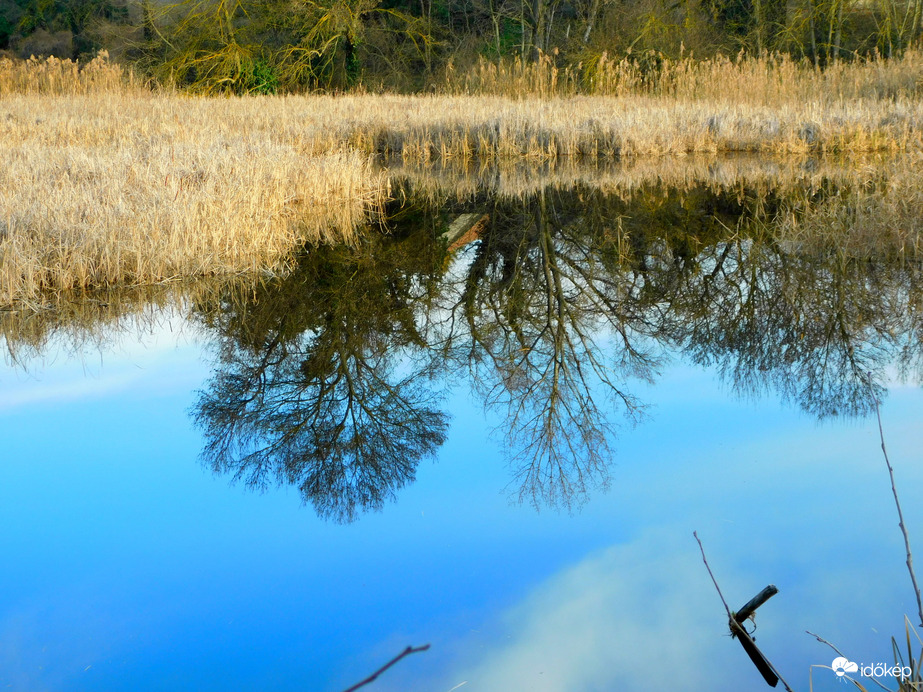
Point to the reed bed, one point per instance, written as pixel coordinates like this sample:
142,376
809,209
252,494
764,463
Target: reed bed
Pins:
102,189
66,77
423,129
742,80
861,208
107,181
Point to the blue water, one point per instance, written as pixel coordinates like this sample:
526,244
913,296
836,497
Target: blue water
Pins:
128,565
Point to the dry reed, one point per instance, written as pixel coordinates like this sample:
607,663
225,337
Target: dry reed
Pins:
464,128
104,189
107,182
65,77
744,80
864,208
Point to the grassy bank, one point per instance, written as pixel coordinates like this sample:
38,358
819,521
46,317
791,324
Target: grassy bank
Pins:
819,217
106,189
420,129
106,181
623,109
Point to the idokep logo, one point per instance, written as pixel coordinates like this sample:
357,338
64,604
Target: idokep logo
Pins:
841,666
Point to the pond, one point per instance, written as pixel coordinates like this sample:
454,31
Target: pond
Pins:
490,426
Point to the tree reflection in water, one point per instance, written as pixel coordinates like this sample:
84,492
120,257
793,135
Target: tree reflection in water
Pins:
328,378
535,298
321,382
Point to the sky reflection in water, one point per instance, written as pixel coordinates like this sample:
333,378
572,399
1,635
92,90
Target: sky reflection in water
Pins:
130,566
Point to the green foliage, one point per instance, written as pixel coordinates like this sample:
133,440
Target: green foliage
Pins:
23,18
269,46
10,13
266,45
735,17
505,40
260,78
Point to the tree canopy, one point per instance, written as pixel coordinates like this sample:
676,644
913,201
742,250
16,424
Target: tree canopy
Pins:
264,46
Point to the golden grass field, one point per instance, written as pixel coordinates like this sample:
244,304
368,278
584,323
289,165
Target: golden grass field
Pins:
109,188
107,181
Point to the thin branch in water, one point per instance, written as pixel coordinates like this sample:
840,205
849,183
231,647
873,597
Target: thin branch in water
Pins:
897,502
374,676
824,641
765,667
710,574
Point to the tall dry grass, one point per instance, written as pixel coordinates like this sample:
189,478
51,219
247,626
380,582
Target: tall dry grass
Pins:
422,129
55,76
863,208
105,181
105,189
742,80
749,104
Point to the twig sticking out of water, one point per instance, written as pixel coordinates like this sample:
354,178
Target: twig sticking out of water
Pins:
768,671
897,502
749,608
371,678
824,641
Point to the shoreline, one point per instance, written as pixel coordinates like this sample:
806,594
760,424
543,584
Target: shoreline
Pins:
136,187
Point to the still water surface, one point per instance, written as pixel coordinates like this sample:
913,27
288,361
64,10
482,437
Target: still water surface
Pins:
498,446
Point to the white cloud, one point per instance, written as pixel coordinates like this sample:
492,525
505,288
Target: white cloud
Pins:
61,391
618,620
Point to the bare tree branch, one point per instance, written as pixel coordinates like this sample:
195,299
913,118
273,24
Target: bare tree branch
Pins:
897,502
371,678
